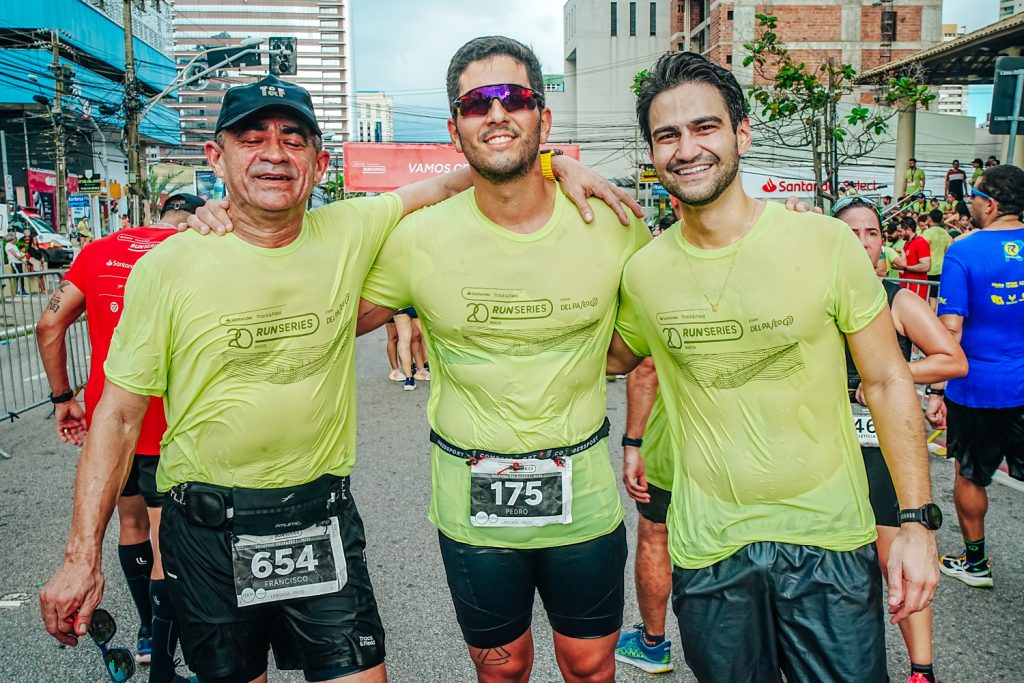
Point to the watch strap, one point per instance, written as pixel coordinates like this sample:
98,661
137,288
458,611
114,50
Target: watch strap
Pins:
630,441
545,163
62,398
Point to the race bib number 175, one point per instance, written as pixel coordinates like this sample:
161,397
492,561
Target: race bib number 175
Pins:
507,492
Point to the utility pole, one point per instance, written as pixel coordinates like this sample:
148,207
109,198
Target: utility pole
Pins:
57,116
131,122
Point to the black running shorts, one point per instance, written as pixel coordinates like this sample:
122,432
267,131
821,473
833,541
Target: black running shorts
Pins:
581,585
327,636
142,480
880,487
657,510
980,438
774,608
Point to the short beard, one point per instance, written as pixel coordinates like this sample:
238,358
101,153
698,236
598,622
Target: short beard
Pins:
511,170
724,175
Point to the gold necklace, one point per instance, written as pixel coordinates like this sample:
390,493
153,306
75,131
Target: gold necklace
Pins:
725,285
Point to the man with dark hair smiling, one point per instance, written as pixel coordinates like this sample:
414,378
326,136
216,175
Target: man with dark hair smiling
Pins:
517,320
770,527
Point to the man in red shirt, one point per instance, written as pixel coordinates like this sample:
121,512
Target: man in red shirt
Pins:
95,285
916,259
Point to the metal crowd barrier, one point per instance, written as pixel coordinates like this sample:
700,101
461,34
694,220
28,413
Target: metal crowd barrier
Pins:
23,383
926,289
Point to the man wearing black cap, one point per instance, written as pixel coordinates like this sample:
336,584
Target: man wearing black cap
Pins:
250,343
95,285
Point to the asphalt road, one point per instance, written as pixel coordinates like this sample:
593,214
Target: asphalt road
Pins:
977,632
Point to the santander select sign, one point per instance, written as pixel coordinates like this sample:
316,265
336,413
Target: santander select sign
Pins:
784,186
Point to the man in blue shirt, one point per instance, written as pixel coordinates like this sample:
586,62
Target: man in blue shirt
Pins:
981,301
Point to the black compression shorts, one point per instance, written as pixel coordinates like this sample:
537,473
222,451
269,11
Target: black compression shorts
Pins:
980,438
581,585
880,488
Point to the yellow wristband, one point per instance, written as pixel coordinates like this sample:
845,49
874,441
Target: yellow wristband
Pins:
545,163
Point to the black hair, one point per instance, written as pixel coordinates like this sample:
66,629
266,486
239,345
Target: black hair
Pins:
977,160
912,159
888,196
1005,184
935,215
961,208
910,222
956,161
668,220
488,47
677,68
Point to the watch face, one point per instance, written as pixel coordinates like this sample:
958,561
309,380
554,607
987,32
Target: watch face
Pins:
933,516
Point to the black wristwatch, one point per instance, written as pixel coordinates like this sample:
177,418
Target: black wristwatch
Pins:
630,441
928,391
930,515
62,398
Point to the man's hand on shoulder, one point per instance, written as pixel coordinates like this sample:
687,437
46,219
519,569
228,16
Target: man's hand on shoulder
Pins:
579,183
794,204
213,215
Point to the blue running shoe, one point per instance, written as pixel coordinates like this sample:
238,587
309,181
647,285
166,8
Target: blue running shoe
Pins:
144,649
631,649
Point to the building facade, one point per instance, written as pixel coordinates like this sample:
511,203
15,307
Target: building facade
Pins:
1007,8
322,30
375,115
606,45
862,33
952,99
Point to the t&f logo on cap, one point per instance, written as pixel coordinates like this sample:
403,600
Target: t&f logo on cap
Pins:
268,93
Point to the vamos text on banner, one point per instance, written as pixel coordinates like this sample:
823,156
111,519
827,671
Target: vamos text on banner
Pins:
381,167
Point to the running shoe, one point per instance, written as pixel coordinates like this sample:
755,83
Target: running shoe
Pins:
422,375
918,678
144,649
631,649
397,376
978,575
410,384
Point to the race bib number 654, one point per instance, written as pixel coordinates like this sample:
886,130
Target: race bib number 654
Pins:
297,564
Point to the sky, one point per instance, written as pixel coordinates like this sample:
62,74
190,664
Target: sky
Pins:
403,47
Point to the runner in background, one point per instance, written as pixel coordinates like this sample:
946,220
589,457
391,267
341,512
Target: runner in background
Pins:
391,349
915,325
916,259
95,285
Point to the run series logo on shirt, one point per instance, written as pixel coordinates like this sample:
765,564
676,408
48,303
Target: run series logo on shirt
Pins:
1013,250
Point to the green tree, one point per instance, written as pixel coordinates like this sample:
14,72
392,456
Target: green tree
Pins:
160,184
798,106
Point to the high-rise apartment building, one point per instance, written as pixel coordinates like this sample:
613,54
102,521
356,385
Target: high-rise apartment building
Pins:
862,33
375,116
322,29
1008,8
952,99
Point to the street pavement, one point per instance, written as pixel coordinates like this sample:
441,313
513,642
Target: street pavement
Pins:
977,632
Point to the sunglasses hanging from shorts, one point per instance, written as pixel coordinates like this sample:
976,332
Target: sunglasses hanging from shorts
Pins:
477,102
119,662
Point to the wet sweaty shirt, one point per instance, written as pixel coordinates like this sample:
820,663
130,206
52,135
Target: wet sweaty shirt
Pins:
517,328
252,348
758,387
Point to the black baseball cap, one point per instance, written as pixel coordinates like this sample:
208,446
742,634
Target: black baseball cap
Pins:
182,201
269,93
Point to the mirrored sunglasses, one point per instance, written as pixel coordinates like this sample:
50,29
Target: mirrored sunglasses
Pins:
477,102
119,662
854,200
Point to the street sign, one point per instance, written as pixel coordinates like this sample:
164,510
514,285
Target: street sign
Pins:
658,190
78,201
648,174
1009,72
92,185
9,188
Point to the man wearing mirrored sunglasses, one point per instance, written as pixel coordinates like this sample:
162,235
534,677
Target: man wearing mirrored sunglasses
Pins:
517,297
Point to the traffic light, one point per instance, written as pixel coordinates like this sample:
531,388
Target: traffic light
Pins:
283,62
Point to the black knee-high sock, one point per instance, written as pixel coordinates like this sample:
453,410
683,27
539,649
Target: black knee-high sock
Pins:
137,563
165,635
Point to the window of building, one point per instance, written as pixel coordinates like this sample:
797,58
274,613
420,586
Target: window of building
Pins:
632,18
728,59
329,23
328,10
728,15
654,18
615,18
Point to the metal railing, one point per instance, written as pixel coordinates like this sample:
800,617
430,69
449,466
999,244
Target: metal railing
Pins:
23,383
926,289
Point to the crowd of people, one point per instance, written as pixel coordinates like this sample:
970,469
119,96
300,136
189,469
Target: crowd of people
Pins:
775,491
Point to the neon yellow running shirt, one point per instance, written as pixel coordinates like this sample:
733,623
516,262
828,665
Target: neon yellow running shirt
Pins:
758,386
657,449
252,348
517,328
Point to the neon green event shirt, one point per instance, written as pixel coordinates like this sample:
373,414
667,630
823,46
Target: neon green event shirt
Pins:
758,387
252,348
517,327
